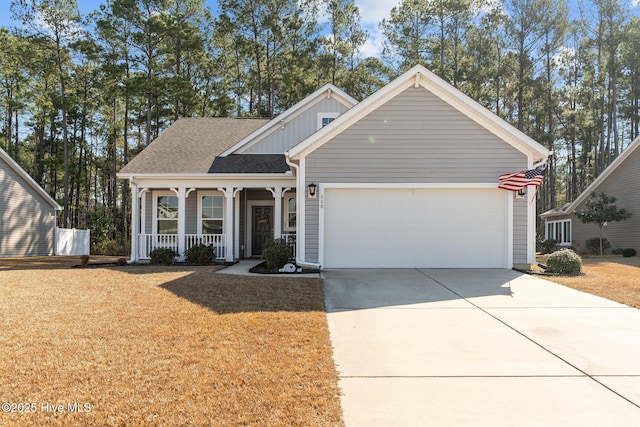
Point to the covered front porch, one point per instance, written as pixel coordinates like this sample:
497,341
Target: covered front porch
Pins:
236,220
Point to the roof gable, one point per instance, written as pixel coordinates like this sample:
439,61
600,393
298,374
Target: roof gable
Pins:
419,76
28,179
282,120
570,207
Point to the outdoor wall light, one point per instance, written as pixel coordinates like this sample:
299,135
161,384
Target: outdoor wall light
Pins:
522,192
312,190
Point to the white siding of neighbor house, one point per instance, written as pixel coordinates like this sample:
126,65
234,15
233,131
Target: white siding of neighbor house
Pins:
622,184
27,220
295,129
414,138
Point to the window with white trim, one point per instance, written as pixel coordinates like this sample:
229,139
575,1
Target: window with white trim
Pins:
326,118
166,213
290,212
210,213
559,230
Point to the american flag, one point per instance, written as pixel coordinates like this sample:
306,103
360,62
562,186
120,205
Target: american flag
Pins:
519,180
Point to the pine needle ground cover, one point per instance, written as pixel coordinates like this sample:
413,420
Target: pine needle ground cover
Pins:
144,345
614,277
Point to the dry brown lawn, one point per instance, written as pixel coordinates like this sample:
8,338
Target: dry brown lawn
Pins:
165,346
614,277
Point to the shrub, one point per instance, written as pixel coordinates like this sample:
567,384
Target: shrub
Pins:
592,246
84,260
276,253
121,262
546,246
564,261
200,254
102,229
628,252
164,256
111,247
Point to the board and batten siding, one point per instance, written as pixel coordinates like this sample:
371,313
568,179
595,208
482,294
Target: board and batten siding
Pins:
27,220
295,129
622,183
414,138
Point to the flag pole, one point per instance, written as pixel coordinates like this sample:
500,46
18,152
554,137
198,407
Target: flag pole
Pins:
535,194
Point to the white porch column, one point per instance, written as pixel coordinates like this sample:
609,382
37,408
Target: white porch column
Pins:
135,220
228,222
277,215
531,224
236,223
181,192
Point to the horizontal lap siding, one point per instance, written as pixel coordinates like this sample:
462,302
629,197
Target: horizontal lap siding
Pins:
413,138
520,213
623,184
27,220
295,129
191,204
148,213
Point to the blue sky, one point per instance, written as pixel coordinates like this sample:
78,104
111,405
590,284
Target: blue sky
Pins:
372,12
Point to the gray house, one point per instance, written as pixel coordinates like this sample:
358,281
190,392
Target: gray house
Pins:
619,179
27,213
406,178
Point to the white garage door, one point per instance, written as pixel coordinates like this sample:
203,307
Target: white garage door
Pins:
404,228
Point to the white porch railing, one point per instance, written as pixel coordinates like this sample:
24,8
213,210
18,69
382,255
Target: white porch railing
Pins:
216,240
290,238
149,242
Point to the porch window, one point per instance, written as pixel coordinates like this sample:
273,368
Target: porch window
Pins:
167,214
212,214
559,231
290,215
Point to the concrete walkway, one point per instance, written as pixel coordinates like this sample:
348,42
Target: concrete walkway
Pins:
443,347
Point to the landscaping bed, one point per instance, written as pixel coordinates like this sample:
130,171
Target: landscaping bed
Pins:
614,277
263,269
155,345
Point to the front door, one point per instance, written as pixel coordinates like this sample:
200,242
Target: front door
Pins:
262,228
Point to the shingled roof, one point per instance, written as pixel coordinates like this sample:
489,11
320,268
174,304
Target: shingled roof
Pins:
250,163
190,145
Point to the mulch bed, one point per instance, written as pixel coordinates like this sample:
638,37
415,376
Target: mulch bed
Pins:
262,269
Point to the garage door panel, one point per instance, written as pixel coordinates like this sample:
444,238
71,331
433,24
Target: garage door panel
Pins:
414,228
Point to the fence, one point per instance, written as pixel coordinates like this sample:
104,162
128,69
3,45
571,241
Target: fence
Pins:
70,241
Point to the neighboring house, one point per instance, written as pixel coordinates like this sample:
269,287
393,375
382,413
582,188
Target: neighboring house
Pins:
620,180
27,213
406,178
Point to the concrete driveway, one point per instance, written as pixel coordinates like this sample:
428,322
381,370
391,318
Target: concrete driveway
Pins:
443,347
